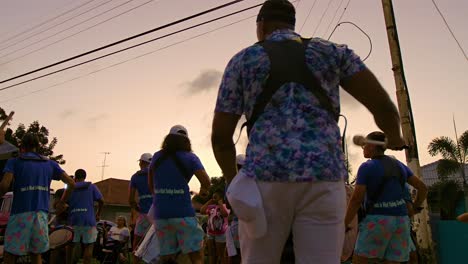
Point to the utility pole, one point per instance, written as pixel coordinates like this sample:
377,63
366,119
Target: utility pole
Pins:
103,166
421,220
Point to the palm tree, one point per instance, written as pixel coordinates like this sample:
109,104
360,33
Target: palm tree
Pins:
454,155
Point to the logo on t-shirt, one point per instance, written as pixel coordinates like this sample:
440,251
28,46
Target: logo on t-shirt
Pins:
216,220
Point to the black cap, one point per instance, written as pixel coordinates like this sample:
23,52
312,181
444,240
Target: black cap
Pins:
377,136
277,10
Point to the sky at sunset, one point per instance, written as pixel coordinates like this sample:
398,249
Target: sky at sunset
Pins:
129,108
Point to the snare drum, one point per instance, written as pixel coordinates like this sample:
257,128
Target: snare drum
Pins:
60,237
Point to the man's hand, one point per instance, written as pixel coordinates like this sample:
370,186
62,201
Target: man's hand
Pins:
396,143
3,125
203,192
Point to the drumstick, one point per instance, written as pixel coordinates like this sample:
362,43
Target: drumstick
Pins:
5,123
52,219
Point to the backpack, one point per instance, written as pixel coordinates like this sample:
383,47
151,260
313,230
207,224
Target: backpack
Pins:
391,170
288,64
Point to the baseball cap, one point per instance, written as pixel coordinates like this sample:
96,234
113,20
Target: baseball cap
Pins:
245,198
277,10
240,159
179,130
146,157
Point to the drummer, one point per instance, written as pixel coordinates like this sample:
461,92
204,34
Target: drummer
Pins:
82,216
61,219
31,175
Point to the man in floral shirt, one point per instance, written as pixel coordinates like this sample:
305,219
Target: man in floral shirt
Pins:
294,149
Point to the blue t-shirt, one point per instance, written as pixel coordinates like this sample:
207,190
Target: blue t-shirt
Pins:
392,199
172,197
139,181
81,202
31,185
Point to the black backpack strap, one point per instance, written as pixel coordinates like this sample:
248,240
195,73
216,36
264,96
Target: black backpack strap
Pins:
391,170
187,175
288,64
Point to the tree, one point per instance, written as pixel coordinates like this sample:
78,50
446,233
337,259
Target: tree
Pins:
45,146
218,184
454,155
446,195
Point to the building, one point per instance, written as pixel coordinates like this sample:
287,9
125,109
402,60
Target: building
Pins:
430,176
115,193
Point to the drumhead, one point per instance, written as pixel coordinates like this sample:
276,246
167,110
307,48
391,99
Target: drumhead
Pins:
60,237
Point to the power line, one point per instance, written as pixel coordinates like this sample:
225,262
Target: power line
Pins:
127,60
333,18
45,22
124,40
360,29
74,34
451,32
321,18
131,47
307,18
61,23
344,11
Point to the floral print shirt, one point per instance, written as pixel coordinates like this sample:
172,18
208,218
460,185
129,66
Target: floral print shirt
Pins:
295,139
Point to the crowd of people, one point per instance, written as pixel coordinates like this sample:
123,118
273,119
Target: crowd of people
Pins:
289,189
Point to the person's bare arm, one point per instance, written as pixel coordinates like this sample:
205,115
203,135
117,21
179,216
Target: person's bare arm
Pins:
422,191
5,183
131,198
2,136
203,209
354,203
365,87
463,218
205,182
99,209
224,125
222,208
62,203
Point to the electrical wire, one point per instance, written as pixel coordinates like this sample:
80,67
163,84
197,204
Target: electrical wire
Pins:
333,19
307,18
450,30
126,39
44,22
49,28
128,60
131,47
344,146
360,29
344,11
321,18
74,34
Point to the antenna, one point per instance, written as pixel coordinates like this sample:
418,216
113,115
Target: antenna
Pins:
103,166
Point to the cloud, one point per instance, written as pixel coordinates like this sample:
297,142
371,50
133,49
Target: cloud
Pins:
347,100
205,81
94,120
66,114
